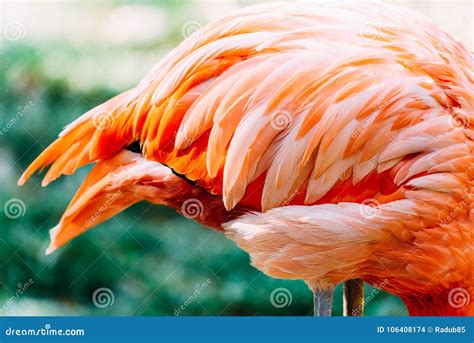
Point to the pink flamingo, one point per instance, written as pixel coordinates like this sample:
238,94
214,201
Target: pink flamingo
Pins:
329,142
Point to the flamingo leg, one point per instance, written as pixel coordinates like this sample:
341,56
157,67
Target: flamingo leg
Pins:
323,302
354,298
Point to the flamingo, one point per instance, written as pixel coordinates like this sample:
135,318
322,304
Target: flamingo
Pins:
330,142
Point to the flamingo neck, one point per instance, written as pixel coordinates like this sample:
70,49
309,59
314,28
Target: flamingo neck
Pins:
195,203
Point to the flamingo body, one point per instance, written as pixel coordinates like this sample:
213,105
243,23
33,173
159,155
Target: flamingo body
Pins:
325,151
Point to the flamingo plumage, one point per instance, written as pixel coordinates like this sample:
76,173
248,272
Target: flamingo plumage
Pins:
330,142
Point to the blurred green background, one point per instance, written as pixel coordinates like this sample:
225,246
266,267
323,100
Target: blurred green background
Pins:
57,60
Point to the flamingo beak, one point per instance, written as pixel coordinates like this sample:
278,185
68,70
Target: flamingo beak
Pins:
110,187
